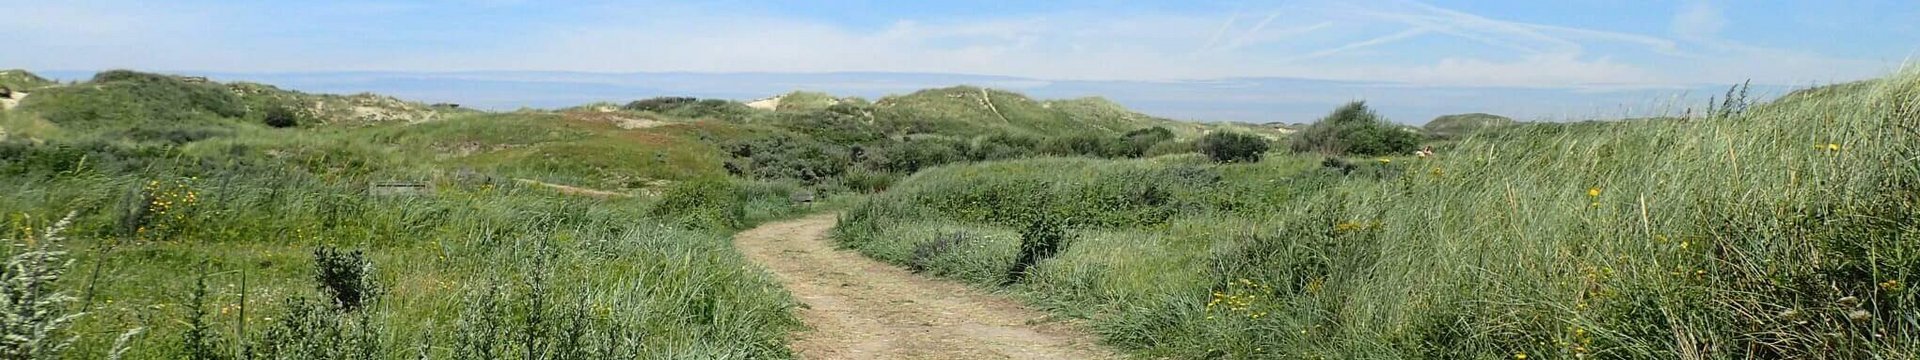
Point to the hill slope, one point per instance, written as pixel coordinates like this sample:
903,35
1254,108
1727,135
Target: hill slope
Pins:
1780,232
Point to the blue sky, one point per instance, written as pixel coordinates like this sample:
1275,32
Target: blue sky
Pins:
1571,45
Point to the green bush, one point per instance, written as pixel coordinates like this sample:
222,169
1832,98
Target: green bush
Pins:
1089,145
1226,146
1142,140
686,107
659,104
837,125
1042,239
1353,129
281,117
912,155
710,203
785,156
1003,146
1171,147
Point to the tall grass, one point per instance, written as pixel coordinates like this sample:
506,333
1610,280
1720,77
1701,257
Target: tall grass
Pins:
477,269
1783,232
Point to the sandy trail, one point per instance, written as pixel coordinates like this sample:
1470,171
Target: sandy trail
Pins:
859,308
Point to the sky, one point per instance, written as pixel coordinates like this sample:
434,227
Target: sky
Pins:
1571,46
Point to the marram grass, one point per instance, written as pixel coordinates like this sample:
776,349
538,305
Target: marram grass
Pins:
1785,232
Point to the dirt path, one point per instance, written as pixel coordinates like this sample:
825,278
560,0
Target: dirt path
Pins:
859,308
571,190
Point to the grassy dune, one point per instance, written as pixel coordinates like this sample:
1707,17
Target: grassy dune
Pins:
198,226
1782,232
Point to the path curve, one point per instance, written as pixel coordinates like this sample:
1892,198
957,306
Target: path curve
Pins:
859,308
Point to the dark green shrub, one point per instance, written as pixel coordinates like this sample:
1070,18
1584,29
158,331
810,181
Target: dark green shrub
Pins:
710,203
1225,146
659,104
1003,146
175,134
784,156
687,107
1139,141
346,277
281,117
1087,145
1042,239
912,155
1353,129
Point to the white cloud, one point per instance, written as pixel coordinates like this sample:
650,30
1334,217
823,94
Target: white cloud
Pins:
1699,20
1390,40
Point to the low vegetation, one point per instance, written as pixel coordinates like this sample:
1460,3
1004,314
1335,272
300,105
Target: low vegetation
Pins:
1777,232
227,221
1353,129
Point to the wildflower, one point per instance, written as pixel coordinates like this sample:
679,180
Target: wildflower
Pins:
1593,192
1385,160
1520,356
1833,147
1890,285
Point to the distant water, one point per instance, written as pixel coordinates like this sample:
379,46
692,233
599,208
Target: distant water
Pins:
1256,100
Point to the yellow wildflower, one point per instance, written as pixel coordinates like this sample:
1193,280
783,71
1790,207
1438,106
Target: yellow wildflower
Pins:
1593,192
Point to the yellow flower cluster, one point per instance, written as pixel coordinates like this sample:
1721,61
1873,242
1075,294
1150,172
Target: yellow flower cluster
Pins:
1241,299
1351,226
167,203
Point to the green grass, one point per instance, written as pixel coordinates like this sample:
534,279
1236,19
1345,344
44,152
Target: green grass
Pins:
17,79
245,206
1728,238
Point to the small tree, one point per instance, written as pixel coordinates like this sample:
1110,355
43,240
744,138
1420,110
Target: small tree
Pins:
1224,146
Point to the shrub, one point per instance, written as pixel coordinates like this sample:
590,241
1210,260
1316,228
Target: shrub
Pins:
1170,148
1225,146
1087,145
1002,146
915,154
1139,141
346,277
1353,129
709,203
868,181
659,104
784,156
281,117
1043,238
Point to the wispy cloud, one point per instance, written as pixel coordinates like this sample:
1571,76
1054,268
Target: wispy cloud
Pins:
1403,41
